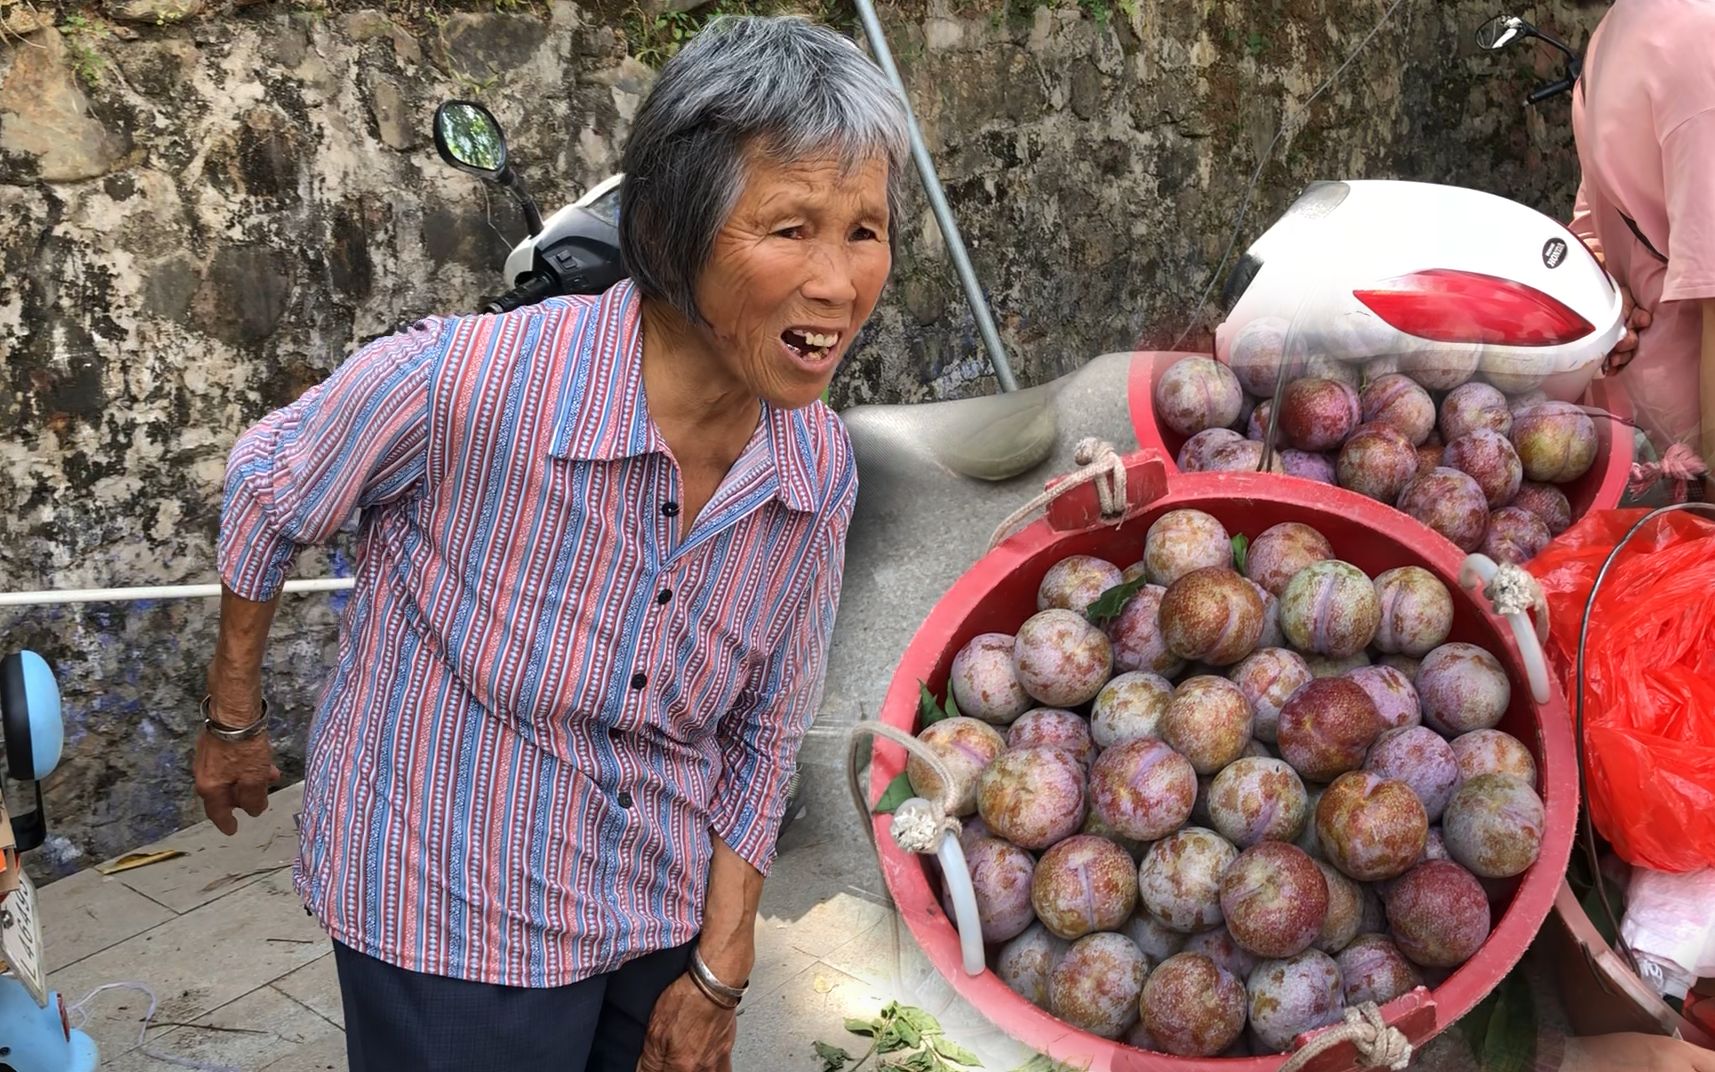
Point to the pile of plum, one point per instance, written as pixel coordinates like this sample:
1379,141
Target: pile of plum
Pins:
1214,798
1480,467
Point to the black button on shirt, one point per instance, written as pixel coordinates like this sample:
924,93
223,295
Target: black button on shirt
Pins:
664,595
671,509
638,680
624,799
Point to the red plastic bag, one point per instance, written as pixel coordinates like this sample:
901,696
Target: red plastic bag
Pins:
1649,671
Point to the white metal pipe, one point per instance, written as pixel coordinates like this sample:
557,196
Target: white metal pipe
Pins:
156,591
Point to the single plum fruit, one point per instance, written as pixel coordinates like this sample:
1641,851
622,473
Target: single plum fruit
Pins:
1026,962
1493,752
1183,540
1082,885
1398,401
965,748
1076,581
1280,551
1471,406
1318,414
1327,727
1135,635
1142,788
1415,611
1001,875
1371,828
1330,608
1197,393
1555,441
1373,969
983,683
1438,914
1051,727
1268,677
1032,797
1493,826
1208,721
1290,997
1097,984
1179,880
1274,900
1461,688
1377,461
1128,707
1255,800
1192,1007
1061,659
1450,502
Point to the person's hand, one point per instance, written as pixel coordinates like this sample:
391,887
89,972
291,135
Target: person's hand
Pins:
233,773
688,1033
1636,319
1633,1052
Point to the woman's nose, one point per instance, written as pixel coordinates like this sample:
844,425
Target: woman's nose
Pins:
831,277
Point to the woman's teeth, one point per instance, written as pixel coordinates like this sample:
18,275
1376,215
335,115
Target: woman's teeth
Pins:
811,343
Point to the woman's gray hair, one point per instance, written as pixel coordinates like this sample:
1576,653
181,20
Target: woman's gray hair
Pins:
781,85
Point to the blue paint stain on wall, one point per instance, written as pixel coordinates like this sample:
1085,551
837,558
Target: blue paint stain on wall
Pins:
342,565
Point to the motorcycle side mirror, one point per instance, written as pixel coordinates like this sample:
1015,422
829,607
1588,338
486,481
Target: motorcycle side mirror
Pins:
1501,31
469,138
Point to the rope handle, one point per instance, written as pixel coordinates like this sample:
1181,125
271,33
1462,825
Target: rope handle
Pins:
928,828
1099,464
1679,465
1378,1045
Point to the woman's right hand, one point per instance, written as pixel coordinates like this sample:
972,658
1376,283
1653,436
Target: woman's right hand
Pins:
1636,319
233,774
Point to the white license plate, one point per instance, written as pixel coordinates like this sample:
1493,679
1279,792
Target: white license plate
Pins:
21,939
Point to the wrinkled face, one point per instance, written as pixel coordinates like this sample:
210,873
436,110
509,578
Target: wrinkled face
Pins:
794,273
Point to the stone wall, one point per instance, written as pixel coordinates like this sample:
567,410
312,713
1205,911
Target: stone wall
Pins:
201,211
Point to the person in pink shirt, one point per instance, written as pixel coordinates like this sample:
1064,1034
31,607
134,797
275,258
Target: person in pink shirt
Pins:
1643,117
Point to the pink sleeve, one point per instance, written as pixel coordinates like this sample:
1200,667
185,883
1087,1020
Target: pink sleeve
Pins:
1584,221
1688,173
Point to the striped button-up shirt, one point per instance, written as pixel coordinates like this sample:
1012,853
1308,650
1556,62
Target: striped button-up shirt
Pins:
546,700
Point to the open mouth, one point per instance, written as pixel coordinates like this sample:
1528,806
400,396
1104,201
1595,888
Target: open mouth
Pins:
811,347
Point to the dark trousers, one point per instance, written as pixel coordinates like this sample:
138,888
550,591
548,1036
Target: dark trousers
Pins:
397,1020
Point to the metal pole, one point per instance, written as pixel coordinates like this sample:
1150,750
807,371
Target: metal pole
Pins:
159,591
938,204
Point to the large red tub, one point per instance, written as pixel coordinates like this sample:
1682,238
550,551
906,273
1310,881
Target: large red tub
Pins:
1598,489
999,592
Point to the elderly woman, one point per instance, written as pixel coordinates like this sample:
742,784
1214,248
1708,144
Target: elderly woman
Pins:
601,549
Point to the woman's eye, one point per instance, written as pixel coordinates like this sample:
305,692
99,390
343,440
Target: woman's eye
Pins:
794,231
865,234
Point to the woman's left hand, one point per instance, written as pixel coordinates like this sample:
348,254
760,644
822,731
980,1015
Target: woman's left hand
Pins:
688,1032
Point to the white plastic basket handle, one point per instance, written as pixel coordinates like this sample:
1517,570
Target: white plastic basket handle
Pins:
924,827
1515,596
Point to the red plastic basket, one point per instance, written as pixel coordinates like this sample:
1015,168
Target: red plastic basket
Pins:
1598,489
999,592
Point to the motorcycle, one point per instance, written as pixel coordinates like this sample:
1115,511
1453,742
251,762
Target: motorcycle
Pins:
35,1029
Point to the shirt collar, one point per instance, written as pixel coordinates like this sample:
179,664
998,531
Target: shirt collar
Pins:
602,414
